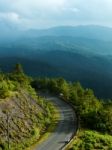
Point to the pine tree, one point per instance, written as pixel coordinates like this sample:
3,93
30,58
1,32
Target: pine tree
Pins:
18,69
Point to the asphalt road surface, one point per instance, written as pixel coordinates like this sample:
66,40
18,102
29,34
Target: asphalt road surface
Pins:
66,127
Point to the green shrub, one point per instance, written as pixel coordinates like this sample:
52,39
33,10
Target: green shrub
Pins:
91,140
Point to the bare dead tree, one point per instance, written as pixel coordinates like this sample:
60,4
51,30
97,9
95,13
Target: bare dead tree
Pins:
8,134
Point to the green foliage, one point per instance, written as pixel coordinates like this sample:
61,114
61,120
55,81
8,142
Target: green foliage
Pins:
30,115
14,81
103,119
4,89
35,132
94,114
90,140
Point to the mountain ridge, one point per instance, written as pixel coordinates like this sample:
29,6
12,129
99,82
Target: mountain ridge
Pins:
87,58
96,32
93,31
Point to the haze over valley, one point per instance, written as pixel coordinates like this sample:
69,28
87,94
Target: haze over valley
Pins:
55,74
81,53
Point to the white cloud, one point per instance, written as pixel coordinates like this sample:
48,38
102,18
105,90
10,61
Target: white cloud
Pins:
72,9
56,12
32,7
9,16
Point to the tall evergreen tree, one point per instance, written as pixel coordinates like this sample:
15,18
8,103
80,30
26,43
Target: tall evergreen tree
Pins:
18,69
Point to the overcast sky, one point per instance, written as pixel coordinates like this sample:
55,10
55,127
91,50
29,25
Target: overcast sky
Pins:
47,13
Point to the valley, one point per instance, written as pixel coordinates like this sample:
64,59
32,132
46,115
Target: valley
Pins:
55,75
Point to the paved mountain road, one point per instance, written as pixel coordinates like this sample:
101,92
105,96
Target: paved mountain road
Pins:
65,128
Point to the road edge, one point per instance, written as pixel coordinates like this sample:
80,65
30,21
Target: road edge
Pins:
65,147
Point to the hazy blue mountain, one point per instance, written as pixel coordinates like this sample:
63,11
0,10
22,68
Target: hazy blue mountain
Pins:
8,33
81,39
81,53
90,31
91,71
66,43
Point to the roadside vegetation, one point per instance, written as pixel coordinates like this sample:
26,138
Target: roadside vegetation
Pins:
24,115
94,115
91,140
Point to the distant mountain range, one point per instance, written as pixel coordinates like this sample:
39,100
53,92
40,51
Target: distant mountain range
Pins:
90,32
81,53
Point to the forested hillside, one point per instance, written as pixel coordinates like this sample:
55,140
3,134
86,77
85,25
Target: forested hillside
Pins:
92,71
93,114
24,116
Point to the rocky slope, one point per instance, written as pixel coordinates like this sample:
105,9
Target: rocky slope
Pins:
22,120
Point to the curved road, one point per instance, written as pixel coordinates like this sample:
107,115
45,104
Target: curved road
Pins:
65,128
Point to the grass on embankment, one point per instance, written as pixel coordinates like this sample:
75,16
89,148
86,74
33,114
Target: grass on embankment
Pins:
50,129
91,140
